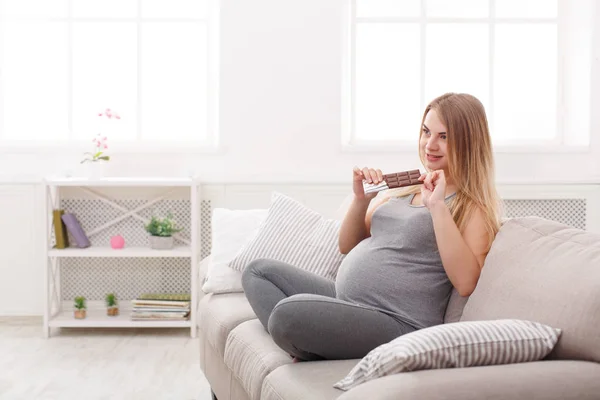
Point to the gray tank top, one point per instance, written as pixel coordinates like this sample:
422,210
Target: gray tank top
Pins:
398,269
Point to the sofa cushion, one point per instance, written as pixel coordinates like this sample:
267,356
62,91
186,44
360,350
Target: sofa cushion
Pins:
455,345
218,314
306,380
294,234
455,308
548,380
230,231
202,271
544,271
251,355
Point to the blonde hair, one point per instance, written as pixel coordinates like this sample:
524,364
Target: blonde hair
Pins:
470,161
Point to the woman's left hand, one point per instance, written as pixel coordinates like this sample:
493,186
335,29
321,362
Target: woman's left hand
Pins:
433,190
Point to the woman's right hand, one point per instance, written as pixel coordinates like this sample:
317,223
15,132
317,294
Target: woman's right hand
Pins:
369,175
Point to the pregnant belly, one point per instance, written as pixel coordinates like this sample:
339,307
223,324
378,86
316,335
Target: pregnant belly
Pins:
395,282
370,276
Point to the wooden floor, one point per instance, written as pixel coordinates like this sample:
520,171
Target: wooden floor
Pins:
78,363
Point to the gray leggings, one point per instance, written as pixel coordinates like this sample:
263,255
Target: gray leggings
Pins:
300,311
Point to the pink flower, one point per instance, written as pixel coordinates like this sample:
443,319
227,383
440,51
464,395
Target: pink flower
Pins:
105,146
108,113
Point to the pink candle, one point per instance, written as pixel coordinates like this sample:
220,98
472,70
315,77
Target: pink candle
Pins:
117,242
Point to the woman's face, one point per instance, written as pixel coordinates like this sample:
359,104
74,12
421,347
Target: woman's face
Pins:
434,144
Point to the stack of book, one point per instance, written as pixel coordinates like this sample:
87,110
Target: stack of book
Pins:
64,222
161,307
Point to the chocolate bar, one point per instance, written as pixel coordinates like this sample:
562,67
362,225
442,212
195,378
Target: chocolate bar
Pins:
402,179
395,180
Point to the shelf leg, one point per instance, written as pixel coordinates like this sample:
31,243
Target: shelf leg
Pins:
47,197
194,259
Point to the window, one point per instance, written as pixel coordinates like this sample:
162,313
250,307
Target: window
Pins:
516,56
65,61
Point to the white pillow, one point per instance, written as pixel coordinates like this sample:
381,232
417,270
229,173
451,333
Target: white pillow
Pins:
297,235
231,230
456,345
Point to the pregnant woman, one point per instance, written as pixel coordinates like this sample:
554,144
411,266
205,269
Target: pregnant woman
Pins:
406,248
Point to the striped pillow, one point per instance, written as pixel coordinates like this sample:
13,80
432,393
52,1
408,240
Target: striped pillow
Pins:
295,235
456,345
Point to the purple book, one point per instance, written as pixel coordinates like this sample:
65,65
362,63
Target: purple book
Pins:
76,231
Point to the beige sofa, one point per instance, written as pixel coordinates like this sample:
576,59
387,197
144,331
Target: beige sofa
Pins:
537,270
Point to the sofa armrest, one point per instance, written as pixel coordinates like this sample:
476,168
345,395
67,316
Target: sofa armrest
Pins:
548,380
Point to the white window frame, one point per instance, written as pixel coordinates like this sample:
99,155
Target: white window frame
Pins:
350,143
210,145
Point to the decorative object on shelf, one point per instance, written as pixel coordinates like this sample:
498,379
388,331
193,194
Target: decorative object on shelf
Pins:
117,242
165,296
161,307
80,307
72,224
112,308
96,160
60,230
95,170
161,232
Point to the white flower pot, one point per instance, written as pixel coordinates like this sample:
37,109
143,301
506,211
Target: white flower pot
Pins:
95,169
161,242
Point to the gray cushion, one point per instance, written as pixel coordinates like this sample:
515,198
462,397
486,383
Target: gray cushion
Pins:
544,271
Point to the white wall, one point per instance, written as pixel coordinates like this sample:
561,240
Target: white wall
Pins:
280,109
21,268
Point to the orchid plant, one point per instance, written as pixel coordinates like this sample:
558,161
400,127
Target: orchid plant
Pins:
100,141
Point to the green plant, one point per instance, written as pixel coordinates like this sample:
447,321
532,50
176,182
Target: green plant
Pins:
111,300
162,226
80,303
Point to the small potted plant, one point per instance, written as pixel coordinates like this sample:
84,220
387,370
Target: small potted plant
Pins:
112,308
96,160
80,307
161,232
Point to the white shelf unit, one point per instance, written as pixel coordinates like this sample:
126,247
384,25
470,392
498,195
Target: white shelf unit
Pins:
96,318
179,251
59,312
